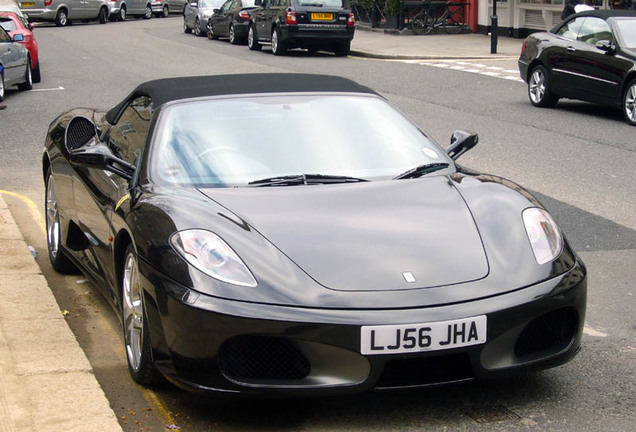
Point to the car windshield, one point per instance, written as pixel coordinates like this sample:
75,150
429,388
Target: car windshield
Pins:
207,4
627,32
224,142
7,24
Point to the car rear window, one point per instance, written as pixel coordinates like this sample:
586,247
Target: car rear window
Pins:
8,24
321,3
248,3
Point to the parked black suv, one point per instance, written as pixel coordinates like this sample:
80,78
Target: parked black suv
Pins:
311,24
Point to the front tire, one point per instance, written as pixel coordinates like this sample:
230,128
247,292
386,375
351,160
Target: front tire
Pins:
540,88
28,77
60,262
629,103
61,19
2,88
252,42
148,12
134,324
103,16
278,46
122,14
233,38
209,31
197,27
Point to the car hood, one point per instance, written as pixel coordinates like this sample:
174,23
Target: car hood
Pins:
375,236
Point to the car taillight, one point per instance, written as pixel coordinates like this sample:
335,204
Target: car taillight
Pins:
351,21
48,2
244,15
290,17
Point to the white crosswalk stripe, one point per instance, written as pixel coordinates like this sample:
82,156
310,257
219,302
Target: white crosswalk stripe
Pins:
471,67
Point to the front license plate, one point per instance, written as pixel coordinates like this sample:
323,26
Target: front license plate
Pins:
434,336
321,16
28,4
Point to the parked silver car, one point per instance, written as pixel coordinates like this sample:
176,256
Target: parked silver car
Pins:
195,17
63,12
162,8
15,64
10,6
120,9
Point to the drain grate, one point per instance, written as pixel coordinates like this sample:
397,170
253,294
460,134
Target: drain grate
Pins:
490,414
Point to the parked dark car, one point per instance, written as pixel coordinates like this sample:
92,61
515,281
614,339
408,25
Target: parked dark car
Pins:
15,63
292,234
590,56
17,24
310,24
231,20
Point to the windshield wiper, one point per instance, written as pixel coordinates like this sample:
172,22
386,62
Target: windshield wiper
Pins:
304,179
421,170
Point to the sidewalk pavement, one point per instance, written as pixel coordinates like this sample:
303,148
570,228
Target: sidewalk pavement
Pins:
375,44
46,381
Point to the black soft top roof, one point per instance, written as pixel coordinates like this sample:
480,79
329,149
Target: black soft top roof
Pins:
169,89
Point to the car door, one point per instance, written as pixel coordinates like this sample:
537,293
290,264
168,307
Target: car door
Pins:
11,57
222,19
97,191
597,74
557,59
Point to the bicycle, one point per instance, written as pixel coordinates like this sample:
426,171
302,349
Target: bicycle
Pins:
451,20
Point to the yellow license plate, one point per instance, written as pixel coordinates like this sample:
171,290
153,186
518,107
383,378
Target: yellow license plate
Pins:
321,16
28,4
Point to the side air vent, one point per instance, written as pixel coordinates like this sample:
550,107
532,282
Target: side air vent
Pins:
79,131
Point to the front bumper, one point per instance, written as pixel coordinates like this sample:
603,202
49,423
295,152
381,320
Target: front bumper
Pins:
203,343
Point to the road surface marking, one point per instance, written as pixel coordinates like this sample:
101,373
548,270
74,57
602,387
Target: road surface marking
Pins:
48,89
588,330
33,208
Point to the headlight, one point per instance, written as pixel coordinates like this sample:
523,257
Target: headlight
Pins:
544,234
210,254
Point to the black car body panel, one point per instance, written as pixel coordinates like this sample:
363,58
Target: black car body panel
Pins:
233,14
586,57
329,259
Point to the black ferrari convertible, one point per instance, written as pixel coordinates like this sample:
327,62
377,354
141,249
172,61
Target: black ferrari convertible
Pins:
290,234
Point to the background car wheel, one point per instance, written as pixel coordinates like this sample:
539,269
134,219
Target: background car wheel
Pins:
252,42
540,90
197,27
629,103
60,262
186,29
278,46
28,77
1,86
148,12
342,49
122,14
103,16
61,19
209,31
233,39
135,325
165,12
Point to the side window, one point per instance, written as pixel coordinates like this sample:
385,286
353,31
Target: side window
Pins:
571,29
594,30
226,6
4,36
128,135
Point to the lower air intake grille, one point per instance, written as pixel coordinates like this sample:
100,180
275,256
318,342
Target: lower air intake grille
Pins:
425,371
553,331
248,358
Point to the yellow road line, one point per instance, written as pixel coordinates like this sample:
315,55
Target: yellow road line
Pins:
158,405
33,208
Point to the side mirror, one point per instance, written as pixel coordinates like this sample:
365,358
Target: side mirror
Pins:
461,142
607,46
101,157
18,38
216,10
84,149
258,2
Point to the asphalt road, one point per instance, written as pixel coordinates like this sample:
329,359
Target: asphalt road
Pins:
579,160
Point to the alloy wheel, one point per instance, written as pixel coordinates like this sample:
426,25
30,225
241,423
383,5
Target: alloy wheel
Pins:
197,27
52,220
1,86
148,12
132,311
629,103
537,86
122,14
232,35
